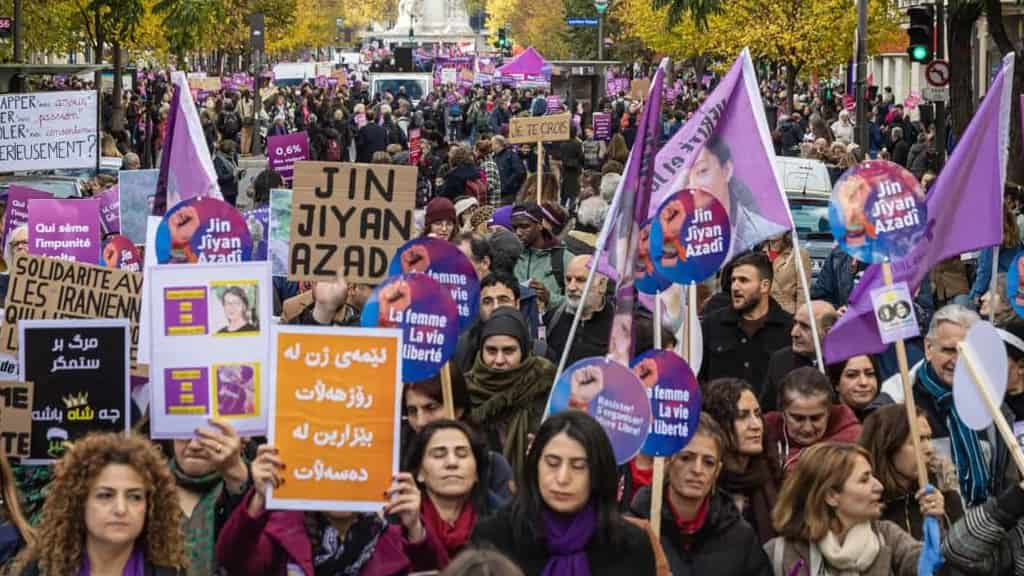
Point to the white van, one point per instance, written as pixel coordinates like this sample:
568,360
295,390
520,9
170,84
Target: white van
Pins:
417,84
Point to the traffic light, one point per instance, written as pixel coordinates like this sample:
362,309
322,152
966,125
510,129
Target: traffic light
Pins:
500,44
922,26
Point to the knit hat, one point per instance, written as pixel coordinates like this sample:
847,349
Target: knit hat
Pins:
502,217
438,210
465,203
508,321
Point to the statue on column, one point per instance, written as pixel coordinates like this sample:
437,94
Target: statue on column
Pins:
408,12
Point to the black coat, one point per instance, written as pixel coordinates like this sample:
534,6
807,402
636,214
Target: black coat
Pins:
570,153
455,181
512,173
900,151
780,363
729,352
372,138
724,546
633,555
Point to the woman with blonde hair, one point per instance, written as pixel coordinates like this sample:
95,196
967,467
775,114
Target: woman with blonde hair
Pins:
827,517
112,509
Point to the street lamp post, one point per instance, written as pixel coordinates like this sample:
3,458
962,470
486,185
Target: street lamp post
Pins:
601,6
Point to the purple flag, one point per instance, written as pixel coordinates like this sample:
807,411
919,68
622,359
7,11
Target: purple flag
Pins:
965,210
66,229
16,212
186,169
620,236
726,150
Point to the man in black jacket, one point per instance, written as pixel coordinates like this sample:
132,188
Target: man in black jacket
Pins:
510,169
801,353
739,340
371,138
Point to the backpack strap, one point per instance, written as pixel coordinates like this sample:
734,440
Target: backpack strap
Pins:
558,266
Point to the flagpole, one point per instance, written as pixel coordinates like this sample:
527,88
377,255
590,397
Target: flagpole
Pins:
993,284
802,275
657,320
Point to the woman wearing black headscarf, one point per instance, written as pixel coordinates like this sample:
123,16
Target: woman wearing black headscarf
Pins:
508,384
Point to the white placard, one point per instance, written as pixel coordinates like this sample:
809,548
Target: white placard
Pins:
449,75
48,131
988,355
935,94
209,338
894,312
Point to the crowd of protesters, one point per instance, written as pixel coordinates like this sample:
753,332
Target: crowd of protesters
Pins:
794,468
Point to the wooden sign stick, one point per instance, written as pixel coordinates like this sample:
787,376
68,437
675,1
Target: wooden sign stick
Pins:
540,172
446,391
908,393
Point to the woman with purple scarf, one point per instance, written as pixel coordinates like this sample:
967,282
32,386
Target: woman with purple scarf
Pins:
564,520
112,509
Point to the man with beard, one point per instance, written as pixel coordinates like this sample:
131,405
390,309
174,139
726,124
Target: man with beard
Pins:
799,354
739,340
595,312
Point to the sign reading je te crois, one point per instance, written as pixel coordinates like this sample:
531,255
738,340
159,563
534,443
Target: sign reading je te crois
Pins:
539,129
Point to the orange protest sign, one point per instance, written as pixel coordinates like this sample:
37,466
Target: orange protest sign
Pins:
335,416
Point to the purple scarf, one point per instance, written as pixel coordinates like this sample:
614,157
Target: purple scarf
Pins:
566,537
136,565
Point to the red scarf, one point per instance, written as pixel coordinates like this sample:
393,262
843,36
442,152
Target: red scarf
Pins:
640,476
452,536
690,526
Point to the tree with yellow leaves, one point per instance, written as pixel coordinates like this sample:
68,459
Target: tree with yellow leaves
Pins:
534,23
805,36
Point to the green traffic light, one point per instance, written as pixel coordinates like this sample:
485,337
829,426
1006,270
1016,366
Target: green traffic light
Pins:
919,53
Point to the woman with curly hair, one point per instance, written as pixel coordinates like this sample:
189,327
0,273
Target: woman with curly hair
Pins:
15,531
112,509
